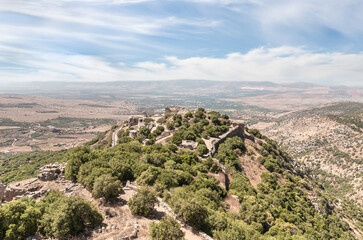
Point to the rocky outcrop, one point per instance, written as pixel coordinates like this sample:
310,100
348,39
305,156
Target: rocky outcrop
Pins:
32,187
51,172
8,193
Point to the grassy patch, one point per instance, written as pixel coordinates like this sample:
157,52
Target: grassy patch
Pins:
9,122
24,166
66,122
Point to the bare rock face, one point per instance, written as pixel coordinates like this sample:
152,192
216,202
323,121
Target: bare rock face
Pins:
51,172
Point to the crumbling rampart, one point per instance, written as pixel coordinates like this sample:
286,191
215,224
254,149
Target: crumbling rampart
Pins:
237,130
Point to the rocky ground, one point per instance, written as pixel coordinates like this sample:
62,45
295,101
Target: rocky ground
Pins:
119,223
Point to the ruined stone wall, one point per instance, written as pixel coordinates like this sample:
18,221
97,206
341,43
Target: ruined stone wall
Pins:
133,121
15,191
236,131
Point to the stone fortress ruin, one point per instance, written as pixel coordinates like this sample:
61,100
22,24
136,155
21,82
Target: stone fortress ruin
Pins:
54,172
151,122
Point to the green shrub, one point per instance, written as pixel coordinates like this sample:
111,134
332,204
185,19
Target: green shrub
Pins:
170,126
64,216
202,149
206,181
188,115
144,132
255,132
177,138
194,213
167,228
76,158
189,135
159,130
172,147
215,120
106,186
143,202
19,219
149,176
229,151
167,179
122,165
200,113
241,186
89,171
237,230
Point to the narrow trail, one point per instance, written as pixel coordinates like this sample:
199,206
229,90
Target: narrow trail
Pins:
13,144
190,233
115,137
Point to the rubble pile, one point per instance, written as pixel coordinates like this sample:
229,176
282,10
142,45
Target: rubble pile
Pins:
51,172
32,187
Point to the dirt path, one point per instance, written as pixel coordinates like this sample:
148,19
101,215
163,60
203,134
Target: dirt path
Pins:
190,234
115,137
13,144
161,140
164,209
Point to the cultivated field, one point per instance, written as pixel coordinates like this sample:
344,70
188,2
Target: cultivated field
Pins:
34,123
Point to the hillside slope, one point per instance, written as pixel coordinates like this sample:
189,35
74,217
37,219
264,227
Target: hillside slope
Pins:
328,140
213,176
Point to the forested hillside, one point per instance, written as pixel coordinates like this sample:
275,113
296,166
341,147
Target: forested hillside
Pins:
248,189
328,140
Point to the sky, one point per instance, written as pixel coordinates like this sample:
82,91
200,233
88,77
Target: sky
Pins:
283,41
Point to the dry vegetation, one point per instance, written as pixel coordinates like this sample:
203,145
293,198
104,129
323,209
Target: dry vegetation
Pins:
330,141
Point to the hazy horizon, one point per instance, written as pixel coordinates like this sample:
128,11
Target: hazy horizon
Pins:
186,81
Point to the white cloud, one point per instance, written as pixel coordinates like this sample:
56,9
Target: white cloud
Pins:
55,42
344,17
61,15
284,64
151,66
93,26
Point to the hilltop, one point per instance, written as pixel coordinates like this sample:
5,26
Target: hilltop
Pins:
212,176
